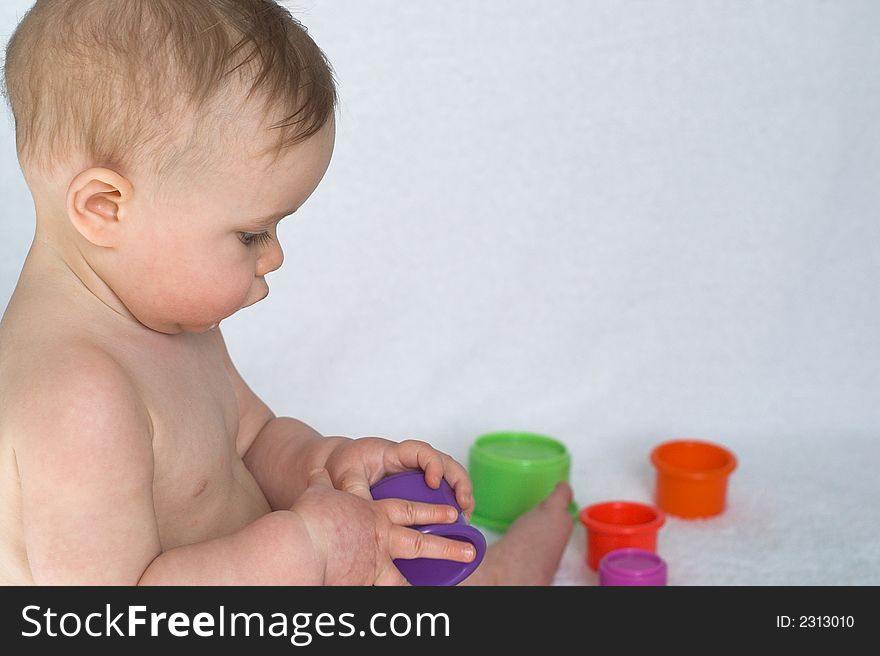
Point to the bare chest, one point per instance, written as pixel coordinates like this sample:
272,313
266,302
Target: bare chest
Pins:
201,488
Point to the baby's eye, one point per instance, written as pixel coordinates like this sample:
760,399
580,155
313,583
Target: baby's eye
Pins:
254,238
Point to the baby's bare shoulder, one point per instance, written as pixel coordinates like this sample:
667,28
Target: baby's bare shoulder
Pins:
73,385
83,451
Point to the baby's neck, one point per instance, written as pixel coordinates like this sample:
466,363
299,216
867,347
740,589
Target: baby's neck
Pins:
61,270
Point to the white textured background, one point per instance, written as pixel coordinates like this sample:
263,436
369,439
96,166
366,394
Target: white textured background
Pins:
611,222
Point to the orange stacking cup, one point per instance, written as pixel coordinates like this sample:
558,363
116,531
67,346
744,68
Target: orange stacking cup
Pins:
692,477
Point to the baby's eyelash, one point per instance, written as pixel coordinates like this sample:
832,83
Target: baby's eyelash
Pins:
255,238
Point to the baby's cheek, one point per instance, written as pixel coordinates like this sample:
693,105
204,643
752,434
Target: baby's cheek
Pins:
229,294
208,296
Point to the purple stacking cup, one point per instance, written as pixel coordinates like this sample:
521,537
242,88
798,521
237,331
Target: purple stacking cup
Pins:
410,485
632,566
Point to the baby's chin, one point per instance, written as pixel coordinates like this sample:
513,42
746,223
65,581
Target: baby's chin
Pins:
175,328
203,320
260,296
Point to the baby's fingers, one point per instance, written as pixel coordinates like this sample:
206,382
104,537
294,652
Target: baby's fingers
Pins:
409,543
412,513
458,478
415,454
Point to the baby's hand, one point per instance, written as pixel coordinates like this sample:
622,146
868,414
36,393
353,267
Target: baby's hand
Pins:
357,539
356,465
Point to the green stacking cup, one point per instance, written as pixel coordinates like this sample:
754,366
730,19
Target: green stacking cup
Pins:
512,473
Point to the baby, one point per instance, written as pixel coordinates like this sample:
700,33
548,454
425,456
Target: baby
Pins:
162,142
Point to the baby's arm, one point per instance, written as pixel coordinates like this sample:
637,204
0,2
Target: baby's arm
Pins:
279,452
85,462
282,456
286,450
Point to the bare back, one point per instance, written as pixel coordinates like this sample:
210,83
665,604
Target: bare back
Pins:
201,488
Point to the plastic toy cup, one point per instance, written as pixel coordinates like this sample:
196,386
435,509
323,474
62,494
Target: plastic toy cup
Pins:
692,477
512,473
632,567
618,524
432,571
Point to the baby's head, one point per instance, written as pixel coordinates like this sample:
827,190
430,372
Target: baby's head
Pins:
163,140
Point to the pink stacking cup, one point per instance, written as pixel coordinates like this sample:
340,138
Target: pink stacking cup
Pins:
632,567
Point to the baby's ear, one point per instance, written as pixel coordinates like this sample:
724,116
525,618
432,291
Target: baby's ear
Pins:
94,199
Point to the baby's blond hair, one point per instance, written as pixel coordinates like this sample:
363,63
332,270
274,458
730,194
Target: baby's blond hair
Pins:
126,84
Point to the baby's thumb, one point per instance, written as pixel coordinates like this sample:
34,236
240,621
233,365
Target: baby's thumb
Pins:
320,478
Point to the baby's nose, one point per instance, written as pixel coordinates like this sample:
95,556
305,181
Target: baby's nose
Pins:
270,260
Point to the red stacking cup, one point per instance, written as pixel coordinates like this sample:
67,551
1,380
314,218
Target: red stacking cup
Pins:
618,524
